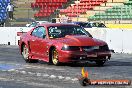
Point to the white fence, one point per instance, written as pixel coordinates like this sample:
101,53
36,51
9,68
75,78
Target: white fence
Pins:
120,40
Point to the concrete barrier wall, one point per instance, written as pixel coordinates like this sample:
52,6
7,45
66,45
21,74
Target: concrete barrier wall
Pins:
120,40
8,35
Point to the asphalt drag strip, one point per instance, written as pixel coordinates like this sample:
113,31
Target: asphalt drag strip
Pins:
15,73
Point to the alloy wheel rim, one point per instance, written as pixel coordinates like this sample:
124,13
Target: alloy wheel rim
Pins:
55,57
25,53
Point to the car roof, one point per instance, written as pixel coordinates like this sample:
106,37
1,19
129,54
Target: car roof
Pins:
79,22
41,21
94,22
57,24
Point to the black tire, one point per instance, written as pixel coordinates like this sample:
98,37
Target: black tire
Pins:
55,59
25,54
100,63
84,81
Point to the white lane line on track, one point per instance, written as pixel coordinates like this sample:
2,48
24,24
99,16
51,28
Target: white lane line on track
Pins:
38,74
23,72
30,73
47,68
61,77
67,78
53,76
75,79
11,70
45,75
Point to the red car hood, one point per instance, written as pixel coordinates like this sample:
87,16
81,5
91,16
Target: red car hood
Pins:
80,41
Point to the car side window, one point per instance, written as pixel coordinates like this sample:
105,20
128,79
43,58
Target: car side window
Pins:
33,24
39,32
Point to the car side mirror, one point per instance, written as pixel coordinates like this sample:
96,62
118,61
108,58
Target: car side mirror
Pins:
44,35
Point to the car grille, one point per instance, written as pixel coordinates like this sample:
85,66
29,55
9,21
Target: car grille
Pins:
95,48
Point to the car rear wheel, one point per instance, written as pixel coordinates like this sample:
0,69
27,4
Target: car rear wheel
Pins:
25,54
55,59
100,63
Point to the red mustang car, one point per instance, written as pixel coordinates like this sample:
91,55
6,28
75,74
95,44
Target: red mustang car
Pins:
61,43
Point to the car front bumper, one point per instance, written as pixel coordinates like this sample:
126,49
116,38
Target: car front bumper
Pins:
70,56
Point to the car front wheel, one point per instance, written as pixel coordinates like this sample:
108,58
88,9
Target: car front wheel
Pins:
55,59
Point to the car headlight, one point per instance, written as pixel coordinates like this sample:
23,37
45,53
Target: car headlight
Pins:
70,48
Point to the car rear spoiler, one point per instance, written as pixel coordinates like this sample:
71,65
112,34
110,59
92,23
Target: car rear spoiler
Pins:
20,33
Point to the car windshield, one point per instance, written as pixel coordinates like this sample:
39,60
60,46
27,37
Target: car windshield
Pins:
62,31
101,25
82,24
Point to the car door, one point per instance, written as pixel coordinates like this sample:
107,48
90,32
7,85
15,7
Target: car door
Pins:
40,42
33,41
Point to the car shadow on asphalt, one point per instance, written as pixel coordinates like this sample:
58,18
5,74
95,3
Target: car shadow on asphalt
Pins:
67,64
107,64
88,64
84,64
